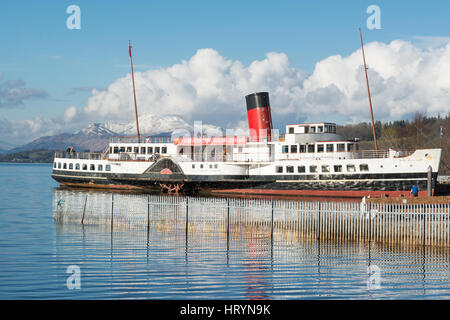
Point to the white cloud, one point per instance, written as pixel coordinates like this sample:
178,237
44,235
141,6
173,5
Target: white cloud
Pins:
13,93
404,78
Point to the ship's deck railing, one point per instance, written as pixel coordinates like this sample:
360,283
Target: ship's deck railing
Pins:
79,155
265,157
243,157
134,139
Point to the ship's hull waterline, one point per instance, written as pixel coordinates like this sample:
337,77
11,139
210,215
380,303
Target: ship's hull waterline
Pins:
310,185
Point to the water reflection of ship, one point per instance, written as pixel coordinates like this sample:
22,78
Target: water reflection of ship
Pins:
258,267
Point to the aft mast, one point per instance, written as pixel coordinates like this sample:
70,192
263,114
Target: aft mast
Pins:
368,92
134,92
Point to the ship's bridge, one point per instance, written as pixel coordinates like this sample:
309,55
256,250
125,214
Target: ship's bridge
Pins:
312,140
311,132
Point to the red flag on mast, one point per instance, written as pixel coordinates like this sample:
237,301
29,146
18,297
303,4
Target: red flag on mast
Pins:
129,49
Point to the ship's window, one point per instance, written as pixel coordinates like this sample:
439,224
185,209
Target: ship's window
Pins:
59,165
363,167
129,149
285,149
291,130
77,166
70,166
122,149
326,129
337,168
310,148
325,168
100,167
116,149
350,147
320,129
193,166
136,149
163,149
313,129
334,129
294,148
239,149
142,150
54,165
92,167
306,129
64,165
157,149
290,169
330,147
84,166
210,166
110,149
341,147
216,166
351,168
150,150
279,169
302,148
108,167
312,169
201,166
320,148
301,169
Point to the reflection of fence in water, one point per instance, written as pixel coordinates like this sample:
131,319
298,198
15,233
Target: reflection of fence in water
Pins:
335,221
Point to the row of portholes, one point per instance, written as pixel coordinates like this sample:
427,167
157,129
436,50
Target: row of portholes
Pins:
324,168
83,166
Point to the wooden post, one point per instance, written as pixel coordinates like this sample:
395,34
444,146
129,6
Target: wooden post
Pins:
148,212
228,218
84,210
271,228
112,210
429,181
187,215
318,223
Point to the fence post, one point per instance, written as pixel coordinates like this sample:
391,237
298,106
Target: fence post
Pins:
112,210
370,222
148,212
187,214
429,182
318,222
271,228
84,209
228,218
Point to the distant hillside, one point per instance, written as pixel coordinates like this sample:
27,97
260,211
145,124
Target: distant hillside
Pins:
95,137
36,156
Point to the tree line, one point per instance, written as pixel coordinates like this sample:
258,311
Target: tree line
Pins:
421,132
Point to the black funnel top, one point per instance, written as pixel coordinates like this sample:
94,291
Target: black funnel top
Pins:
257,100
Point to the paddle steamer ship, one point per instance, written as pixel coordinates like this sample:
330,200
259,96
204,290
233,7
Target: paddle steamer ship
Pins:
309,159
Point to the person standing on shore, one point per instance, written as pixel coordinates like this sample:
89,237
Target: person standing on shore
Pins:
414,190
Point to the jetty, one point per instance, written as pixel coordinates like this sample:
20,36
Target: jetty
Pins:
402,223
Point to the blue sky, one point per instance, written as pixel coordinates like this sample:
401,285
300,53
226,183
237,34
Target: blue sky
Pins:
38,49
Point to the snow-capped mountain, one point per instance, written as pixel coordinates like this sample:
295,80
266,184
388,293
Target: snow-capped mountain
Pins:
96,130
95,137
149,124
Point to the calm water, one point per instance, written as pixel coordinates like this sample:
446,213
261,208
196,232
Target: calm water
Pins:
35,254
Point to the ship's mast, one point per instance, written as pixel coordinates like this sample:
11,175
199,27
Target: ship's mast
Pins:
368,92
134,92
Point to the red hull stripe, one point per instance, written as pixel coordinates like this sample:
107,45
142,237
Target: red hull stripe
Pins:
321,193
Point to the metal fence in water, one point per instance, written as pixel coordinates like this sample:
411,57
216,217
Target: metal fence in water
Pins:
409,224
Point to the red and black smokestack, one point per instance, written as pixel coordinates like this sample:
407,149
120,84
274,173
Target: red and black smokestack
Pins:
259,116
